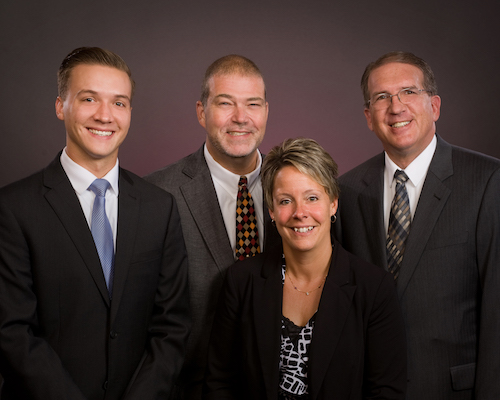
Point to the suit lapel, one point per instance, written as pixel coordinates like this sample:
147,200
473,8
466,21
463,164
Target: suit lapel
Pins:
333,310
64,201
267,305
128,218
372,211
202,202
430,204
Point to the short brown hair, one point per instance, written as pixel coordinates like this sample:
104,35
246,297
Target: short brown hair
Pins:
230,64
308,157
403,57
89,56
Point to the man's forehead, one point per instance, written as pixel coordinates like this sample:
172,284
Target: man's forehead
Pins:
235,80
396,75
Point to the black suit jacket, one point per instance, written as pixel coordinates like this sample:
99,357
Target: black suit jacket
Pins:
358,343
449,283
209,253
60,335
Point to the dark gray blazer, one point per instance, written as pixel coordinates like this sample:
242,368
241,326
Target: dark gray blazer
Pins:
449,284
60,335
209,254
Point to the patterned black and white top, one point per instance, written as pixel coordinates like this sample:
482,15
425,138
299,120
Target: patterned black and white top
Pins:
294,356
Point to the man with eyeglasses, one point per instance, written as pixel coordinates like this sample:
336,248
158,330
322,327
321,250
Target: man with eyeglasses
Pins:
429,212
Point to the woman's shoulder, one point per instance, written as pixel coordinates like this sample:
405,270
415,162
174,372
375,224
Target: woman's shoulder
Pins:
361,271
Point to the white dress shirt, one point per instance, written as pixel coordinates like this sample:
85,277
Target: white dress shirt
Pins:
80,178
416,172
226,187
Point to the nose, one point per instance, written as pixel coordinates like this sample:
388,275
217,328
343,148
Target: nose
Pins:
396,105
103,113
300,210
239,115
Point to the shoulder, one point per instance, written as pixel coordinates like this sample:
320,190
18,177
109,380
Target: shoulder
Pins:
262,265
131,183
357,174
362,274
170,177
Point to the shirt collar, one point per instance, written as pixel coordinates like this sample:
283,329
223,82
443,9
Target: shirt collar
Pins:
417,169
227,179
82,178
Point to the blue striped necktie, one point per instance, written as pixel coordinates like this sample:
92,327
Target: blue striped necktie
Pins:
101,231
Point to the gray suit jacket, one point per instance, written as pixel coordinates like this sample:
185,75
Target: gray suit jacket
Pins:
449,284
209,254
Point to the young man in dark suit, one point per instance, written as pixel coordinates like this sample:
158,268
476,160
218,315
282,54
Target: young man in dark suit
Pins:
93,267
429,212
233,110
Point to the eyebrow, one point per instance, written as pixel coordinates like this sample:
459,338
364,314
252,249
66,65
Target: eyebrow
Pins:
93,92
402,87
228,96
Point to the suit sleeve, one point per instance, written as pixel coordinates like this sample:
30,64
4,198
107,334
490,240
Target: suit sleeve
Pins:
170,323
28,363
487,385
385,363
223,355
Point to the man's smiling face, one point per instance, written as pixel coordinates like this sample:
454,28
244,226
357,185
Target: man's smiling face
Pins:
96,112
405,130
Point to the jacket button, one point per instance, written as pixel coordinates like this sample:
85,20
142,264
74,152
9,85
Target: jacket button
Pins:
105,385
113,334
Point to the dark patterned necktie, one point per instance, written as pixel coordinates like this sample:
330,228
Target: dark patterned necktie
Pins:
247,236
399,224
101,231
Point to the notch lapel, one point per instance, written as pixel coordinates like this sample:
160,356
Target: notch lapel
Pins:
128,219
62,198
371,209
267,306
430,204
202,202
333,310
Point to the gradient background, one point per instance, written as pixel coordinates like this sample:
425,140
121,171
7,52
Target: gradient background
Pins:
312,55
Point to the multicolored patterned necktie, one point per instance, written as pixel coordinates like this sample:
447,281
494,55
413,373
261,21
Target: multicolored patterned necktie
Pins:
247,236
399,224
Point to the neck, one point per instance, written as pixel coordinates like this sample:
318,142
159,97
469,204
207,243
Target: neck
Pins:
237,165
98,167
308,265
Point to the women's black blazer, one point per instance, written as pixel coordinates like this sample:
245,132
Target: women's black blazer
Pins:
358,350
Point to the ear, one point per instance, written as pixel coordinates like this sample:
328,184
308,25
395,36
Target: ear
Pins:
200,113
59,108
436,107
334,206
271,213
368,116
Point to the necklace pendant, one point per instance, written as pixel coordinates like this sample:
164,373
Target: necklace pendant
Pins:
307,293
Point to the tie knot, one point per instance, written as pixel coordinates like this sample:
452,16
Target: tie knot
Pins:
243,181
400,176
99,187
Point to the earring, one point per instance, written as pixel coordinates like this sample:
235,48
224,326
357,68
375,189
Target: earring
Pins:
334,218
273,223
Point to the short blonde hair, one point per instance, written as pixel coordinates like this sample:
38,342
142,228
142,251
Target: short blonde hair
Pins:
308,157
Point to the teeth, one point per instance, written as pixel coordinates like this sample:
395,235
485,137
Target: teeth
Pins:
400,124
303,230
101,133
237,133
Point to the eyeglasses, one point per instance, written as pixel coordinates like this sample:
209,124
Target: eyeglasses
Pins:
406,96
